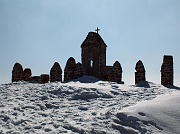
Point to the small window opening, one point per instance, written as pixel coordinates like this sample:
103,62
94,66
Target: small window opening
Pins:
91,63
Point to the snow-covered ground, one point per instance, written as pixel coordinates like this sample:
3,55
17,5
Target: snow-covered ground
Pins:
89,106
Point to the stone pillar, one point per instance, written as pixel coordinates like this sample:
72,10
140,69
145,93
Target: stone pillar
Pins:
17,73
56,73
69,69
116,73
44,78
140,72
78,71
167,70
27,74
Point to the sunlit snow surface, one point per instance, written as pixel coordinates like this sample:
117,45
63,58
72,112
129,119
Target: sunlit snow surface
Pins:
89,106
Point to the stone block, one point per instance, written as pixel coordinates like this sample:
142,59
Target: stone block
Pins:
44,78
167,70
17,73
27,74
56,73
140,72
69,69
35,79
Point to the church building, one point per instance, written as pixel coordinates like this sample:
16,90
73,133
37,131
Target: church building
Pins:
93,58
93,63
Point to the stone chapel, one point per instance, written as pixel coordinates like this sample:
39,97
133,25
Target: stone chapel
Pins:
93,63
93,54
93,58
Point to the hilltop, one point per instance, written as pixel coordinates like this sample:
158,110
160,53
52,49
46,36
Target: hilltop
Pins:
88,105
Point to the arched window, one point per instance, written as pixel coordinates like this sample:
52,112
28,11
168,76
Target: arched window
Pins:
91,63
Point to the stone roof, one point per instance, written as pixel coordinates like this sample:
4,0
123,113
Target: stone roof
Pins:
55,67
93,38
139,66
118,65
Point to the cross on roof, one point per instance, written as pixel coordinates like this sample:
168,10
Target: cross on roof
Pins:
97,30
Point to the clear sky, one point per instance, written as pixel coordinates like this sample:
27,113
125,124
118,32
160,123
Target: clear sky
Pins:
37,33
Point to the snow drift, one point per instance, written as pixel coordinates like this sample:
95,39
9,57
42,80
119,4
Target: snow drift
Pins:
87,105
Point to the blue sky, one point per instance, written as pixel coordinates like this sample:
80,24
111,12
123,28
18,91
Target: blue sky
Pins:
37,33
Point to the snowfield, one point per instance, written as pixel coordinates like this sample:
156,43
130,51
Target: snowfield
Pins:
89,106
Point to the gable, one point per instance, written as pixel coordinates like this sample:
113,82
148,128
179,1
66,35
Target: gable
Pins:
93,39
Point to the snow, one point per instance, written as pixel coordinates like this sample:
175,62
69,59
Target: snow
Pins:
161,113
87,105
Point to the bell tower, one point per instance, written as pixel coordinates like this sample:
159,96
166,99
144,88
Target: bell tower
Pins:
93,54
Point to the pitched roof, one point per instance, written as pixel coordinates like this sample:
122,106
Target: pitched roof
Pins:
93,38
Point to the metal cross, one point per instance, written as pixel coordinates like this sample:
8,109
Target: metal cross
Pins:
97,30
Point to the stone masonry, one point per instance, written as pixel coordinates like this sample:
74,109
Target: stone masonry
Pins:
106,73
56,73
116,73
44,78
78,71
69,69
167,70
17,73
35,79
112,73
140,72
93,56
27,74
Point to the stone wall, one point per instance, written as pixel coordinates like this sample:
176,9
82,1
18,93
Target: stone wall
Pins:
105,73
44,78
17,73
140,72
56,73
112,73
69,69
167,70
116,73
78,71
35,79
27,74
93,64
